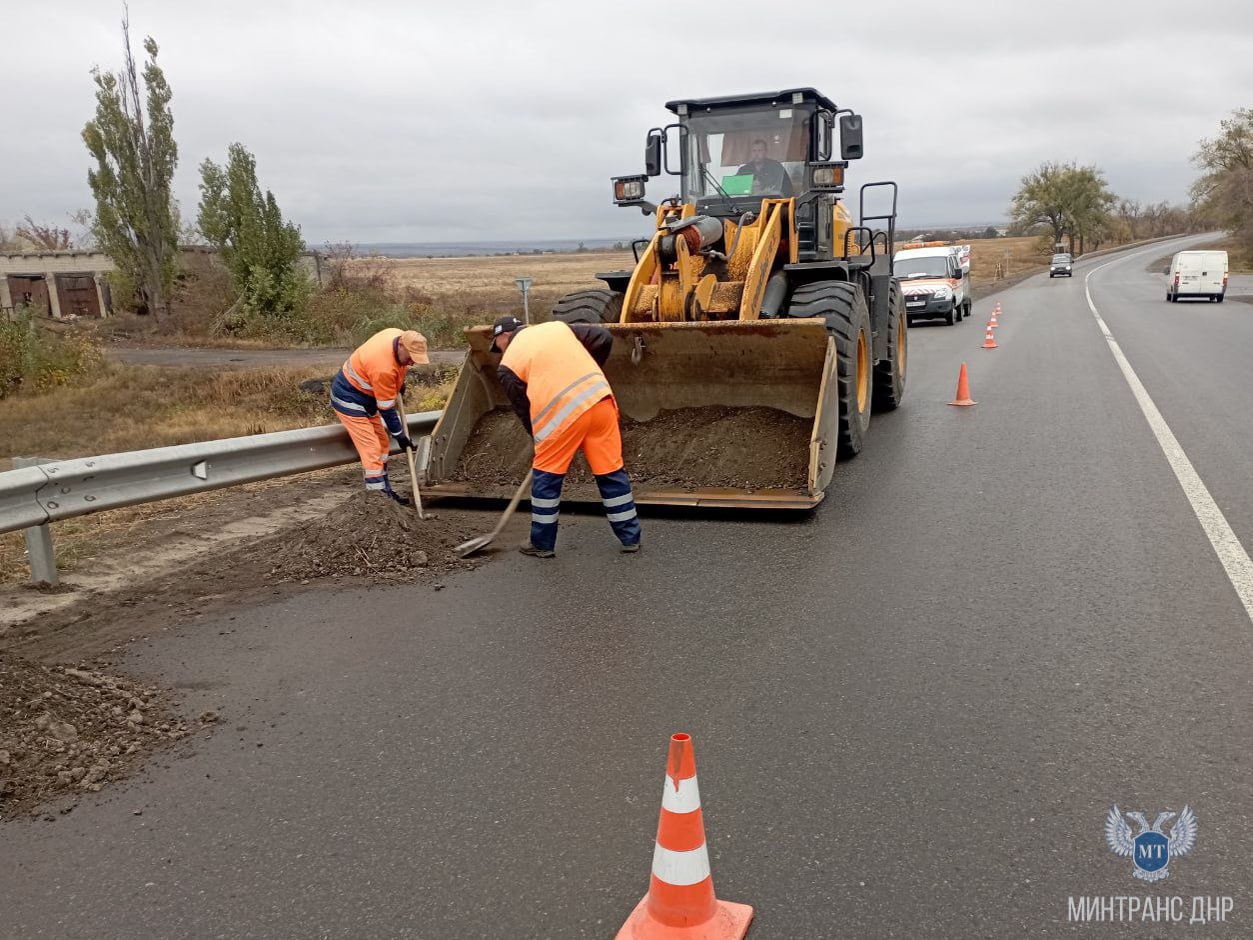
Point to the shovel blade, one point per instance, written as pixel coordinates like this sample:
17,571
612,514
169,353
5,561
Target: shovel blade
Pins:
472,546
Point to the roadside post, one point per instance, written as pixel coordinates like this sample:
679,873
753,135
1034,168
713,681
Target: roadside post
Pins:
39,554
524,285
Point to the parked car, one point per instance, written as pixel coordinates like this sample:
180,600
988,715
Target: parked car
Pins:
935,279
1197,274
1061,264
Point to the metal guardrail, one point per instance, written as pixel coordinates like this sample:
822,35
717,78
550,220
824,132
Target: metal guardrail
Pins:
49,492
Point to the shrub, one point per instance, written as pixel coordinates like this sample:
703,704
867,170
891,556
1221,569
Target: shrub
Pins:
33,358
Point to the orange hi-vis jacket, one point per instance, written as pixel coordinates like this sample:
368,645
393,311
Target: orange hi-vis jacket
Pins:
562,379
370,379
373,368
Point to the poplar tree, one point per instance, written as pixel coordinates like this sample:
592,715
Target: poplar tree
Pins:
131,140
260,248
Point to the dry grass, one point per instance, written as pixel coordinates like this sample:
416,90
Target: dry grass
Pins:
135,407
1024,255
129,408
460,292
490,280
1239,256
487,283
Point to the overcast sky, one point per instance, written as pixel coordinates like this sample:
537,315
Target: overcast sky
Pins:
465,120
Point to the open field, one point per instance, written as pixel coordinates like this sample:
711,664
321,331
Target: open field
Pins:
441,296
488,282
1016,256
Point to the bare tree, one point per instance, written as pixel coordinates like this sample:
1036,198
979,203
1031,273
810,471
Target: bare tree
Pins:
44,237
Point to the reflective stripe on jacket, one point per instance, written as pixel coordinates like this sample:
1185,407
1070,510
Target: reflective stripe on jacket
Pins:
561,377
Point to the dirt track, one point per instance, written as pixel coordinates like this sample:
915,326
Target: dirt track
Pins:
211,358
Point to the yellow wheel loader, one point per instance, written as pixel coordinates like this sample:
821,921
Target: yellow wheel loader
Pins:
753,338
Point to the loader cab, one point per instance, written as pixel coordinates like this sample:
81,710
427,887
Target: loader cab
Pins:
737,156
729,153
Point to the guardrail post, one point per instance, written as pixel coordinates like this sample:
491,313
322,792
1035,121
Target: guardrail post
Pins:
39,552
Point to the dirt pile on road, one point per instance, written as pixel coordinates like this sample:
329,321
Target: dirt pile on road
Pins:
749,448
71,730
372,536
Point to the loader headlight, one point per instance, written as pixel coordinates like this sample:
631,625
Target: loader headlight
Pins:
827,176
628,190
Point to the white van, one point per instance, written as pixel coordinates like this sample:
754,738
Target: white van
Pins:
935,279
1197,274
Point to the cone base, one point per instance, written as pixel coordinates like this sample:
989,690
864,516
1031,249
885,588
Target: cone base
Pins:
730,922
963,403
989,346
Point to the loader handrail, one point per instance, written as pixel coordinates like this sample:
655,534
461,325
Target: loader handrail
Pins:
861,246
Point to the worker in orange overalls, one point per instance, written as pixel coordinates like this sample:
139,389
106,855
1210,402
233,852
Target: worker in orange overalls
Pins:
552,375
364,397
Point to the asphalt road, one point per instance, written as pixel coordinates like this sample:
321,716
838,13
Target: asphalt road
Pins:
911,711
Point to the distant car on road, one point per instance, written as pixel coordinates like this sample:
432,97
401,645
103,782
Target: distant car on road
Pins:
1197,274
1061,264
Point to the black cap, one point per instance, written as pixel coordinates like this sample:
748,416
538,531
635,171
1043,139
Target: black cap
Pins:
504,325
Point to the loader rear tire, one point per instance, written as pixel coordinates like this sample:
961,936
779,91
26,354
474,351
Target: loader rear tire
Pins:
589,306
889,373
844,308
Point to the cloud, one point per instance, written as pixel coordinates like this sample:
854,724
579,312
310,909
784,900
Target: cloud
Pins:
388,121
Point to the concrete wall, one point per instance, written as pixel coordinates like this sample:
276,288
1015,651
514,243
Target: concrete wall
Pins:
95,264
55,262
47,265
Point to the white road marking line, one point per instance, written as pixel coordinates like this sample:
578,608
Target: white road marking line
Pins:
1231,554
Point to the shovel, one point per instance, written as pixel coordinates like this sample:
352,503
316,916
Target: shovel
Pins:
466,549
413,470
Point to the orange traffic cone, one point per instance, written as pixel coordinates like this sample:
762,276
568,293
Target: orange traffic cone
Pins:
680,903
989,341
993,322
963,389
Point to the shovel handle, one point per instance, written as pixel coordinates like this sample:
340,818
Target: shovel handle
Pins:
513,504
413,470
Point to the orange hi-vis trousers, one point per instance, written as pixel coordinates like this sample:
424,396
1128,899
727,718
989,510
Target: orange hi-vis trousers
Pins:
369,436
595,432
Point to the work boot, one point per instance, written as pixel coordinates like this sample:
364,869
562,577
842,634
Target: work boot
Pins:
629,549
526,548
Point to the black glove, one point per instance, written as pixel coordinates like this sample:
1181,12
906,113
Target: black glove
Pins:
404,442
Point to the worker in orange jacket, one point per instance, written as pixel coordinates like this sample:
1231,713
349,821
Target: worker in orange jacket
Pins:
364,396
552,375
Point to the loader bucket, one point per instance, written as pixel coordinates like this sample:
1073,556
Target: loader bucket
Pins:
716,414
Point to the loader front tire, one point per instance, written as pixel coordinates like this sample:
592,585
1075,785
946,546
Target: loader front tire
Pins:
844,308
889,373
589,306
